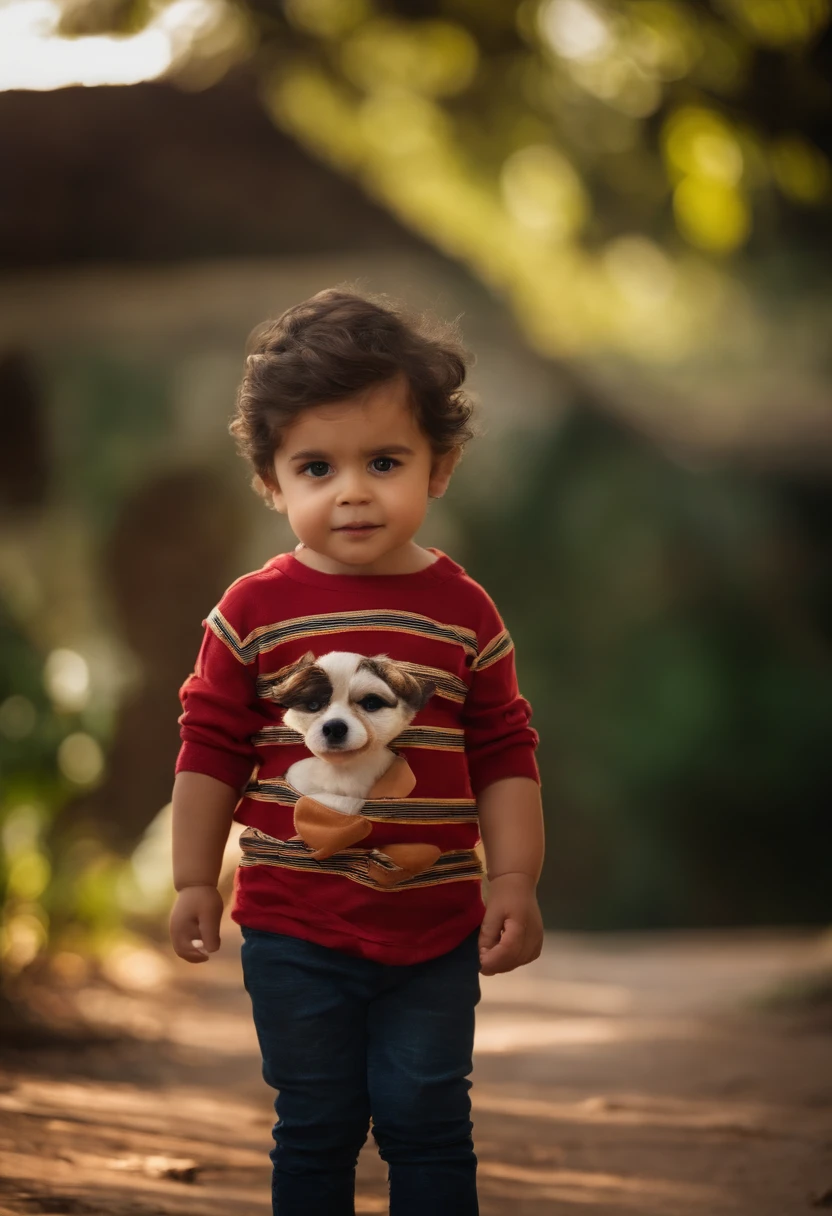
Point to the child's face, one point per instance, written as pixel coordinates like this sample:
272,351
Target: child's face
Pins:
363,460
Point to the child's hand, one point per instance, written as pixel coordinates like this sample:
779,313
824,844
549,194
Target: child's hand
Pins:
513,911
195,923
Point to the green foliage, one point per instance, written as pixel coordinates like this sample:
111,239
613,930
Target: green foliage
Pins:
645,182
84,894
599,162
678,670
111,415
31,786
109,421
610,167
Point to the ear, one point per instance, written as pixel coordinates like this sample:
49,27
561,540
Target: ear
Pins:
288,683
425,690
414,690
273,489
440,472
277,496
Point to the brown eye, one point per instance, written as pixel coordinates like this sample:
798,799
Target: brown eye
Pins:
371,703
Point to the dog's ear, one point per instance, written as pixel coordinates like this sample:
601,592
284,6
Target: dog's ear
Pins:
292,679
414,690
425,690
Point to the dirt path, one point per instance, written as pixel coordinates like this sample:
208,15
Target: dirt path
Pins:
616,1075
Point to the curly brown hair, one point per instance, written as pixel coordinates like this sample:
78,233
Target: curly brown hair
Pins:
335,345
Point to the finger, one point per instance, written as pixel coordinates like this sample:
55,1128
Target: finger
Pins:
505,954
209,932
190,951
499,959
528,950
184,936
534,946
490,930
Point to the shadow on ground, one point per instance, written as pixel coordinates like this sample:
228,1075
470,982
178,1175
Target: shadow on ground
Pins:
615,1076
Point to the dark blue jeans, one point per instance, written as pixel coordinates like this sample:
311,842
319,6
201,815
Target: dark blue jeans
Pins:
346,1038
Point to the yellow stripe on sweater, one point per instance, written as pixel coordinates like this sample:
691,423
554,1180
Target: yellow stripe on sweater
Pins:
458,865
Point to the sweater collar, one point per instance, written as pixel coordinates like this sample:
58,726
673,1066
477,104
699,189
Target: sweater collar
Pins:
438,572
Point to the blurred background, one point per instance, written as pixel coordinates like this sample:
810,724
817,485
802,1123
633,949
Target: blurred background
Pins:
626,203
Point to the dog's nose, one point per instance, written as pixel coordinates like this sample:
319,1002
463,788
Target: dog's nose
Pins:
334,730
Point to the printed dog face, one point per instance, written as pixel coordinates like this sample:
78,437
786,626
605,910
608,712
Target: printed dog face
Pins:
345,703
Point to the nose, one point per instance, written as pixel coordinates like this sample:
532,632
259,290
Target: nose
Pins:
353,488
334,730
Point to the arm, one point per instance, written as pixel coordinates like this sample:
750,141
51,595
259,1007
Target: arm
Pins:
500,744
203,809
217,756
511,826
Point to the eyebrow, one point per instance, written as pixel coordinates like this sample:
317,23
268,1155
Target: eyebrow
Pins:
315,454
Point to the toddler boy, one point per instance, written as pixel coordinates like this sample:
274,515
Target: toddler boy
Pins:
363,981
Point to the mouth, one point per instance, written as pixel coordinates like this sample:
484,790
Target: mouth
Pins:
336,752
358,529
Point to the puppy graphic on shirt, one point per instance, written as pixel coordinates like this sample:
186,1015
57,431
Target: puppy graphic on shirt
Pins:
348,707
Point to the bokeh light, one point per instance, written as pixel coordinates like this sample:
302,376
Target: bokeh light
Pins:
664,38
80,758
778,23
700,143
711,215
801,170
21,828
576,29
395,122
640,270
67,678
135,967
33,56
23,934
327,18
146,885
543,192
435,58
28,875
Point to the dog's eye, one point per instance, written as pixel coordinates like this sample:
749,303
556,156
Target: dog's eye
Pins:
313,706
371,703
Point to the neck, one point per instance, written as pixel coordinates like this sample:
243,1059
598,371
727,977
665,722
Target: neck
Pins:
407,559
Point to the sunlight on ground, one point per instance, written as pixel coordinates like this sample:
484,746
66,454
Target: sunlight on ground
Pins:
99,1101
632,1109
636,1109
519,1033
516,988
224,1033
578,1186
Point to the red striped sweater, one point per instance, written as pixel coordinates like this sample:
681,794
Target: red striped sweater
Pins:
474,730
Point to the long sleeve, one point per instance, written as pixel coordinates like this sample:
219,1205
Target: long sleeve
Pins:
221,713
499,740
